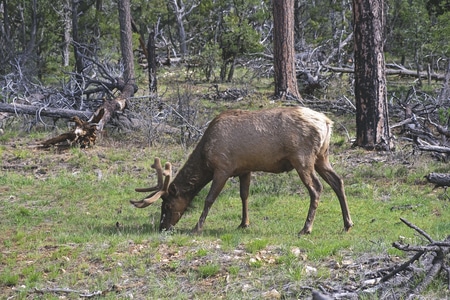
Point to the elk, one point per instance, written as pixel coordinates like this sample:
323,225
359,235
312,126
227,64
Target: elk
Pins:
239,142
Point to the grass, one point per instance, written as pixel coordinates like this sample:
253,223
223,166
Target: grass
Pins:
66,223
70,227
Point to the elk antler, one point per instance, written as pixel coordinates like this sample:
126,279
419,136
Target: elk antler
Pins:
159,172
162,186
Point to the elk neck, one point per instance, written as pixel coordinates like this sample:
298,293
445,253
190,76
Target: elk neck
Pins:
193,176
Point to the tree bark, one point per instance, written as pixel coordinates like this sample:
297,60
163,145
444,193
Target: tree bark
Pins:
283,49
372,126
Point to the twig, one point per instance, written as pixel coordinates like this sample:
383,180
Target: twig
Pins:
427,248
350,103
69,291
426,235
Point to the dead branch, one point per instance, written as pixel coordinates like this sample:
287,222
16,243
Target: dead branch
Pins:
434,260
431,148
420,231
69,291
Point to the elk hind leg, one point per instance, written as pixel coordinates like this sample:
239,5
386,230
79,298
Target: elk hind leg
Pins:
325,170
244,187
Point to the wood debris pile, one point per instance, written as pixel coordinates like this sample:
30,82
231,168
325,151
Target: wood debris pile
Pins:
423,121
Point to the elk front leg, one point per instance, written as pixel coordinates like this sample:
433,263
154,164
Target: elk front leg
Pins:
244,187
216,187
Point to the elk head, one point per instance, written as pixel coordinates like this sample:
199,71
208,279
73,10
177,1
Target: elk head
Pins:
171,209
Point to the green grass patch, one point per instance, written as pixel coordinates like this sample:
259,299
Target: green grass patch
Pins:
208,270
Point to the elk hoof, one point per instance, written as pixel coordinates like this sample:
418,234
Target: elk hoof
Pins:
243,226
196,231
304,231
348,228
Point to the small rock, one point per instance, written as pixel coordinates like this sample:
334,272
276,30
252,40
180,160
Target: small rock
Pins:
246,287
272,294
310,270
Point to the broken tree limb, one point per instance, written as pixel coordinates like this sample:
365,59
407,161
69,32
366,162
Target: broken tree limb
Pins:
402,267
69,291
84,134
420,231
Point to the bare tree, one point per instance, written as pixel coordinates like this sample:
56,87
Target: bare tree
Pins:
372,124
180,11
283,50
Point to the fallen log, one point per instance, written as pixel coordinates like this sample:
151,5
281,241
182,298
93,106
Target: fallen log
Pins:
439,179
44,111
400,72
432,148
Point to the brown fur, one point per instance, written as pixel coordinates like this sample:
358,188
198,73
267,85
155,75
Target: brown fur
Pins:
238,142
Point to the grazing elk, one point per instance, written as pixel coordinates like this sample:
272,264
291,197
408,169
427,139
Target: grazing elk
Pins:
237,143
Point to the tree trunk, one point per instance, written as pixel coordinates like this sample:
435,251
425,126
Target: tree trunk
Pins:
67,21
372,126
181,11
283,50
79,66
126,47
444,94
